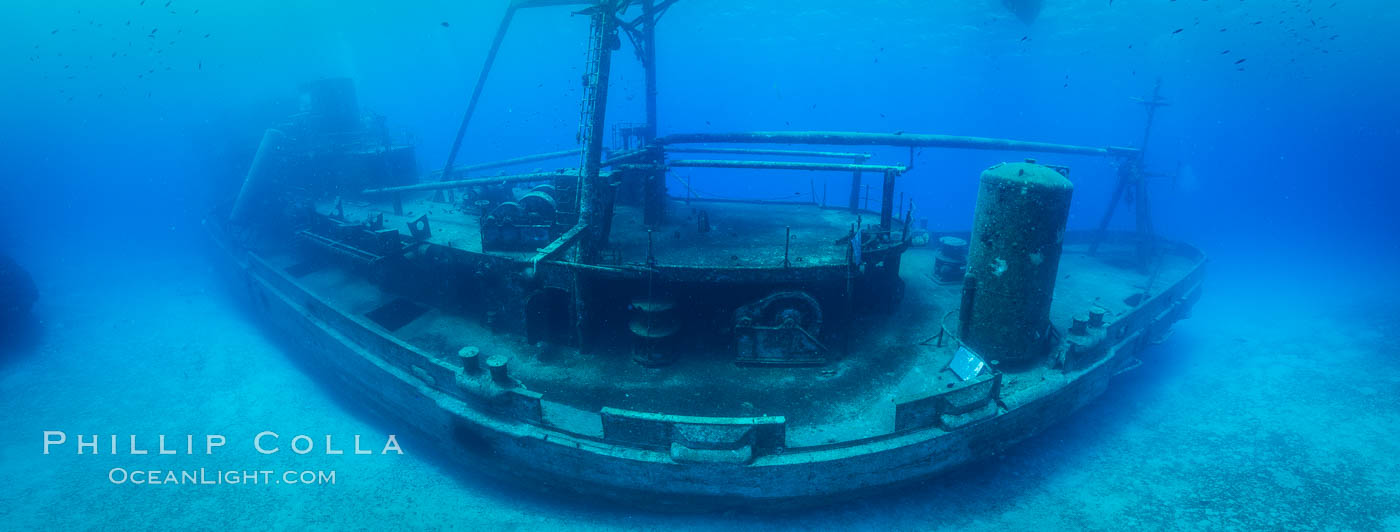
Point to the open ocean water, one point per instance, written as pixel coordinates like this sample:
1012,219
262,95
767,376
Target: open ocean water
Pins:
1275,406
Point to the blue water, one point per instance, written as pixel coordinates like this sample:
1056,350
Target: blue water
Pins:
1275,406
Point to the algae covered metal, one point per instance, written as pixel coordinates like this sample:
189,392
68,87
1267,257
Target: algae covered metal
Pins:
1017,235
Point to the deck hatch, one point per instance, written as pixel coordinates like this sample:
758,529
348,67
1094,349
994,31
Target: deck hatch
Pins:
304,268
393,315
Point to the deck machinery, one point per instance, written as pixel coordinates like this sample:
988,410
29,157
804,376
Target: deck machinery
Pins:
590,329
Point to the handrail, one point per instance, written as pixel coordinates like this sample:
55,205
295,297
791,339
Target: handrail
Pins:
784,165
442,185
789,153
848,138
513,161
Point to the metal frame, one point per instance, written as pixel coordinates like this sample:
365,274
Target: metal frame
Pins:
591,196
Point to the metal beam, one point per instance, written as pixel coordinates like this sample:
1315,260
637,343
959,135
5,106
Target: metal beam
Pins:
649,65
854,202
786,153
443,185
847,138
517,160
627,157
480,84
783,165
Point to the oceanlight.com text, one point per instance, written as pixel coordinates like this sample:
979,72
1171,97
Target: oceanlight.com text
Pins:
217,477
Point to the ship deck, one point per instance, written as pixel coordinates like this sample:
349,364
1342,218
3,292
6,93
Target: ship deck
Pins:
889,357
741,235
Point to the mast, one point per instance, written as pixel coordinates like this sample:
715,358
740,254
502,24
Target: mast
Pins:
648,32
592,197
1132,174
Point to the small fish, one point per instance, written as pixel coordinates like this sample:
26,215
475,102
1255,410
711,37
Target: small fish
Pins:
1225,52
167,4
143,2
1178,30
206,36
445,24
201,65
53,32
1026,38
1240,61
154,30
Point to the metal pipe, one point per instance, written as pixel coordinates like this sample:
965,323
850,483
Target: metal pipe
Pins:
846,138
627,157
787,243
440,185
480,84
782,165
859,157
517,160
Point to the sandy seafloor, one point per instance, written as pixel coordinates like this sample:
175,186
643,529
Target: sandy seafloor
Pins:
1276,406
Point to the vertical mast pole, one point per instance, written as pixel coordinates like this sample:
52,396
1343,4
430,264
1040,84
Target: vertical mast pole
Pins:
1132,173
654,184
648,29
592,193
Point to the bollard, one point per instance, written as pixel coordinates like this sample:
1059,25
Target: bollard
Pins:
496,365
1096,317
469,357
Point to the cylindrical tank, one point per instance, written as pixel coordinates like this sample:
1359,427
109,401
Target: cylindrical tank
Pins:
1013,258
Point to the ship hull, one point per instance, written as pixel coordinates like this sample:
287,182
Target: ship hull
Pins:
525,449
